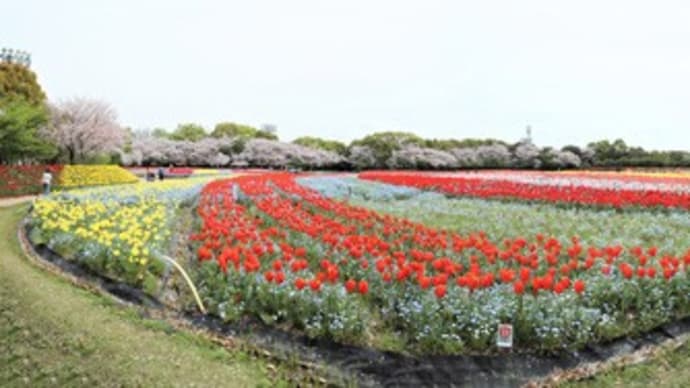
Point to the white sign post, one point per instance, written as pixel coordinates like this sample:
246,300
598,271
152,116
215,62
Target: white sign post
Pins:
504,336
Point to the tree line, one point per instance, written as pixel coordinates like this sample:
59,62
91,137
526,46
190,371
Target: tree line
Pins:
80,130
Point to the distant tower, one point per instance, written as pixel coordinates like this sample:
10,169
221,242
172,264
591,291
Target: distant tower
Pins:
528,131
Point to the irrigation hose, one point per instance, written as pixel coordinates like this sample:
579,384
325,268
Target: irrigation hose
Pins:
189,283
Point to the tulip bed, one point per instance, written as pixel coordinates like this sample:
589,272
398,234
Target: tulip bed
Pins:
668,230
118,231
292,253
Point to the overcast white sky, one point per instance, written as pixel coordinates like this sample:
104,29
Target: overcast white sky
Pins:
574,70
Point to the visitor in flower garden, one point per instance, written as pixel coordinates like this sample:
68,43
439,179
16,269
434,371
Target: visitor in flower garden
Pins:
46,179
161,174
149,175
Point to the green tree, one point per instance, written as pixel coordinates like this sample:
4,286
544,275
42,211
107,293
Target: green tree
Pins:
189,131
19,140
18,82
261,134
384,143
574,149
230,129
323,144
610,154
679,158
448,144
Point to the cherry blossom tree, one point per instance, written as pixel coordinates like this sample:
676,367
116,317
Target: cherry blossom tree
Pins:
466,157
218,152
83,128
272,153
414,157
362,157
560,159
484,156
526,155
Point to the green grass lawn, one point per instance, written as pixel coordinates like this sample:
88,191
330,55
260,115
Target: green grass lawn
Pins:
669,368
52,333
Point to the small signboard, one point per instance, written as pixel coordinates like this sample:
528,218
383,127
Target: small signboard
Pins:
504,337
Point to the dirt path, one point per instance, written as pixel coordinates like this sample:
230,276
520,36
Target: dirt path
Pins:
52,333
5,202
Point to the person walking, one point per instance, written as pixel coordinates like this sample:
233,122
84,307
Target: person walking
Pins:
47,179
150,177
161,174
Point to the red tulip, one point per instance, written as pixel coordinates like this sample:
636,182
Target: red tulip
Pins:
440,291
350,285
518,287
626,270
668,273
579,286
363,287
277,265
204,253
300,283
315,285
652,251
507,275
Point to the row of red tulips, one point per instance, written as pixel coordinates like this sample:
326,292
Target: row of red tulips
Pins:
504,188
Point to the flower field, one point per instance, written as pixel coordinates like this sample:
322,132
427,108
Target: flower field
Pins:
293,256
94,175
117,231
581,189
390,260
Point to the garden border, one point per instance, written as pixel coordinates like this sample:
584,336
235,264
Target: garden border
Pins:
370,367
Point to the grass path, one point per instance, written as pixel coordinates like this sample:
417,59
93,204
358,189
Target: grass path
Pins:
52,333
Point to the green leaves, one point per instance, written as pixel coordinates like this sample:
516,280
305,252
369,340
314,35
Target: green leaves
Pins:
321,144
18,83
189,131
19,138
230,129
